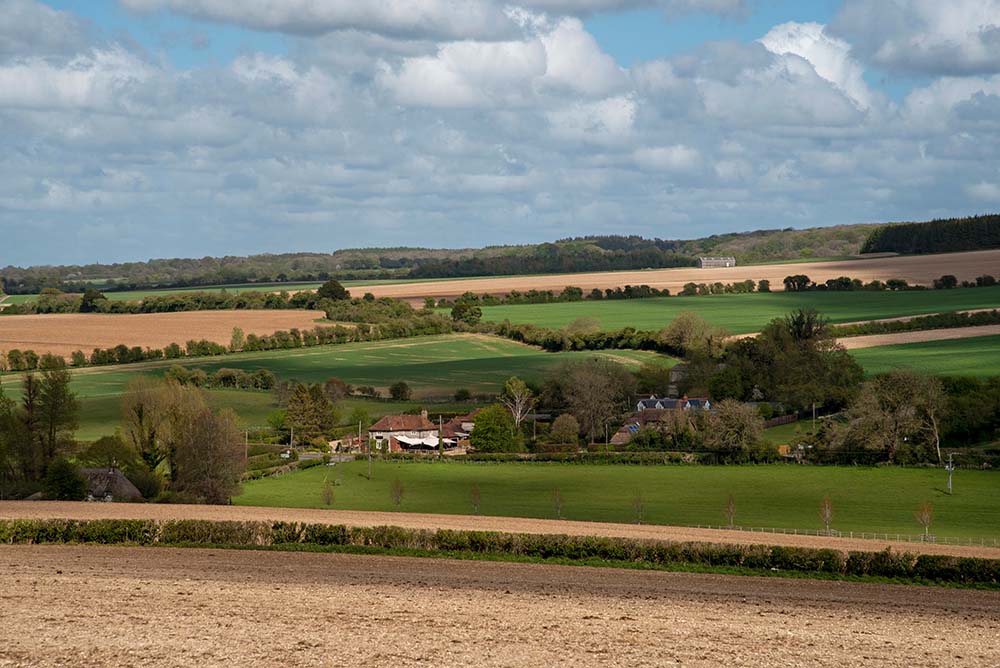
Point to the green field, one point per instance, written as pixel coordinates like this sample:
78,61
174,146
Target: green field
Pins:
976,356
741,314
434,366
783,496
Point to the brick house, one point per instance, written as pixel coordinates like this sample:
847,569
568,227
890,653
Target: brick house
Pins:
395,433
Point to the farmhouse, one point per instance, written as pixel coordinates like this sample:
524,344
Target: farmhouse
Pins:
394,433
653,403
716,262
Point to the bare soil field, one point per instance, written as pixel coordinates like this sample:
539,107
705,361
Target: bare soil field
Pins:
91,511
99,606
916,269
874,340
62,334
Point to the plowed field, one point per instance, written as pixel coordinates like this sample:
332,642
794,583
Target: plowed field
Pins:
916,269
98,606
62,334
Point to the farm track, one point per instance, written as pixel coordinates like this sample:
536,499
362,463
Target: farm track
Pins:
89,511
97,606
916,269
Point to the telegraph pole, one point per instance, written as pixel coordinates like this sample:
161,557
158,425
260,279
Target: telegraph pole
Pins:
950,468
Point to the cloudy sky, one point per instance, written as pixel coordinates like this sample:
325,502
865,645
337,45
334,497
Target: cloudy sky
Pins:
132,129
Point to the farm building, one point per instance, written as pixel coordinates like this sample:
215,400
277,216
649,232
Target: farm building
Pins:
109,484
395,433
716,262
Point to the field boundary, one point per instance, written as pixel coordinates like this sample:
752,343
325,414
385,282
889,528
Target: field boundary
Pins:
862,535
500,546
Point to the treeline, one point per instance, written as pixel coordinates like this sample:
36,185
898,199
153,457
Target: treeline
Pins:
93,301
557,258
376,320
947,235
802,283
925,568
921,323
568,294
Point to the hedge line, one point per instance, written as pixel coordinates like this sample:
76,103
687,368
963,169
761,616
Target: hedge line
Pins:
887,564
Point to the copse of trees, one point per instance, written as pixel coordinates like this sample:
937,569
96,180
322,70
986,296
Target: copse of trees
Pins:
937,236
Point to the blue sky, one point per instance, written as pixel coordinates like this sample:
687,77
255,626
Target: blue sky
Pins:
151,128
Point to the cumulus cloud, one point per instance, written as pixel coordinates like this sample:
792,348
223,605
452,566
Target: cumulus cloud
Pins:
31,28
562,57
958,37
677,158
723,7
828,55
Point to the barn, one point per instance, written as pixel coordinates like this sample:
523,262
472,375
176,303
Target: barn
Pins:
716,262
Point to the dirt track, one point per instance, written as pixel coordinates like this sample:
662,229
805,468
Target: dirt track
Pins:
916,269
99,606
871,341
64,333
85,511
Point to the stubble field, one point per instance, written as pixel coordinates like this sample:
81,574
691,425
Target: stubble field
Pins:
97,606
916,269
64,333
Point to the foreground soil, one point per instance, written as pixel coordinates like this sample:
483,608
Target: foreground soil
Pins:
915,269
90,511
99,606
64,333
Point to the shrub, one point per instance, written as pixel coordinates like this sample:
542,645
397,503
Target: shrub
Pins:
64,482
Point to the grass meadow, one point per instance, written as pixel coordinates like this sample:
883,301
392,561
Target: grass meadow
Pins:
434,366
783,496
974,356
741,314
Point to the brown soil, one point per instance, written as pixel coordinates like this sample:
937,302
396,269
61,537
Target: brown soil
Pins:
62,334
88,511
100,606
874,340
916,269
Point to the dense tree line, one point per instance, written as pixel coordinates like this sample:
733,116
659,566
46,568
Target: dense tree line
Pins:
937,236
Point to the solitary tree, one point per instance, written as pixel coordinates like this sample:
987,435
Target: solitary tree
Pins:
332,289
495,431
730,510
925,516
826,512
518,398
565,431
400,391
237,340
396,491
475,498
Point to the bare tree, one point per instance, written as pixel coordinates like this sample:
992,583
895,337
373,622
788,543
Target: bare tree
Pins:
557,501
396,492
518,398
475,498
925,516
826,512
639,507
730,510
327,495
208,457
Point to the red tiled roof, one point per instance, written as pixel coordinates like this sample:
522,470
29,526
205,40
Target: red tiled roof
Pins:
403,423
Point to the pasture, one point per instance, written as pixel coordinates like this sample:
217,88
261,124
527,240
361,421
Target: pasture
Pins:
434,367
745,313
782,495
975,356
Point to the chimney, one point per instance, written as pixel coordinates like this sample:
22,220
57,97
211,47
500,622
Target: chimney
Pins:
423,413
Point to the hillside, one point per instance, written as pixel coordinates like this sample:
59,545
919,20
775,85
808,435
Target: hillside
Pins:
580,254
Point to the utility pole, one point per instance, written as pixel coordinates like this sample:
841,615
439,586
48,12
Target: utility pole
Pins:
950,468
246,445
441,436
369,452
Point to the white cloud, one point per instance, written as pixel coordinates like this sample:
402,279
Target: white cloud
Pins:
29,27
829,55
957,37
987,192
444,19
605,121
677,158
724,7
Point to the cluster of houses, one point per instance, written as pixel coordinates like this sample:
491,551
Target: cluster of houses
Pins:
415,433
658,412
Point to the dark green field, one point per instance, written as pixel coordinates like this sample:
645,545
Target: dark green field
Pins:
975,356
741,314
782,496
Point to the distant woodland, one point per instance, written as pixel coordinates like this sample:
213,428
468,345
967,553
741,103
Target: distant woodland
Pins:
937,236
595,253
